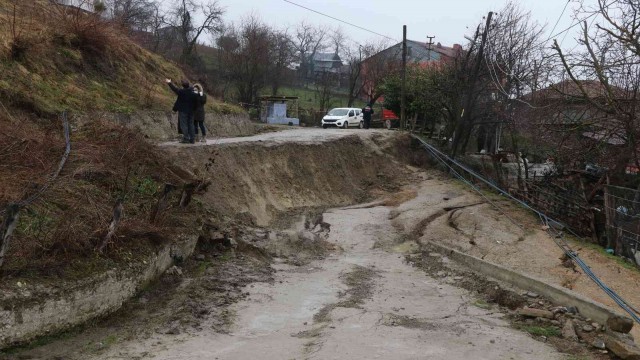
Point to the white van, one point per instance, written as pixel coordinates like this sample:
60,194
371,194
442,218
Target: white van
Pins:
343,118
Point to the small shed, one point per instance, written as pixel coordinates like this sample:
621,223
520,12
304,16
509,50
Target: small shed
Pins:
279,110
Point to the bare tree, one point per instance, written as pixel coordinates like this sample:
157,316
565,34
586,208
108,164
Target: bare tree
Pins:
190,19
611,55
380,63
133,14
324,84
513,61
246,56
354,54
338,40
307,40
282,55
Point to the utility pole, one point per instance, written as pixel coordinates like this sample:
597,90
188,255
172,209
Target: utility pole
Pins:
465,122
403,99
429,46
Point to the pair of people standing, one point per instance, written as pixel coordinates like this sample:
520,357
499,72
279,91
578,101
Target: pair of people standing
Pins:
190,107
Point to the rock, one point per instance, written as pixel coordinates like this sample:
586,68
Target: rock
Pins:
559,310
441,274
200,257
233,243
531,294
598,344
172,329
555,322
588,328
569,332
624,349
174,270
620,324
458,278
572,310
536,313
216,235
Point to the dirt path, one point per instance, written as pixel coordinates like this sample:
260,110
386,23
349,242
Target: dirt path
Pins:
363,302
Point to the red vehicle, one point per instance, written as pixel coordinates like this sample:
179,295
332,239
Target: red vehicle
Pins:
389,119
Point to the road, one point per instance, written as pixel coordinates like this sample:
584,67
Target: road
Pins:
364,302
297,135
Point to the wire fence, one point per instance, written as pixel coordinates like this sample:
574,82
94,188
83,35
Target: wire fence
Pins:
622,208
457,168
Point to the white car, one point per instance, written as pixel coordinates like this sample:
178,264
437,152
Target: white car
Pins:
343,118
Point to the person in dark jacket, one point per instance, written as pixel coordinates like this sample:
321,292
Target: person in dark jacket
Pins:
198,116
185,105
367,113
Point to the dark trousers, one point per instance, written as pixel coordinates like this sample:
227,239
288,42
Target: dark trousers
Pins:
185,120
367,123
203,129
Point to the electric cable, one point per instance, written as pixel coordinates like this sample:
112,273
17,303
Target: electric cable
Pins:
340,20
558,238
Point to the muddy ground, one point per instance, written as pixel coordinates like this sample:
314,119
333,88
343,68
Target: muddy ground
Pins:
292,278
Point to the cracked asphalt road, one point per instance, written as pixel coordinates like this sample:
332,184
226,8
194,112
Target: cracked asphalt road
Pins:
364,302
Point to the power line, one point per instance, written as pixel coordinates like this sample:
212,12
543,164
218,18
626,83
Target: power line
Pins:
340,20
559,18
558,237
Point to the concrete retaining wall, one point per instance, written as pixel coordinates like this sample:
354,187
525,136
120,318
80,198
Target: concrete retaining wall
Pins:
557,294
39,311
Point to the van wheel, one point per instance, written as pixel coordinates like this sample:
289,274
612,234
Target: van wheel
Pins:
324,126
387,124
345,125
361,124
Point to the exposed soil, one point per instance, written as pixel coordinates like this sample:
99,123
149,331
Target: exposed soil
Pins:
362,300
487,233
279,275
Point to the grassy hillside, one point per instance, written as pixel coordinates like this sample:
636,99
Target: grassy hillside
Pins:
309,97
54,58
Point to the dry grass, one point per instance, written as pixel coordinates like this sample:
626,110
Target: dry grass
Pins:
63,59
60,232
54,59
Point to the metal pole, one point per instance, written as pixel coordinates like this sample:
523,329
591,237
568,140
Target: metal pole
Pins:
403,101
467,110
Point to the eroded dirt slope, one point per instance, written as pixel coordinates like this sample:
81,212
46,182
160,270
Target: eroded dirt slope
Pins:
262,178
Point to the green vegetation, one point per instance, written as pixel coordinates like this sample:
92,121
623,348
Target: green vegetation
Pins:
597,248
482,304
309,98
548,331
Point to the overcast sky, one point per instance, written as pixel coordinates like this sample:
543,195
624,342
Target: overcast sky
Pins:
447,20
